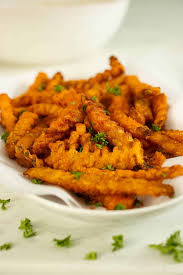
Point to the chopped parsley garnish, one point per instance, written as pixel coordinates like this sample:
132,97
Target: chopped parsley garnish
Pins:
115,91
91,256
73,102
5,246
172,246
21,112
41,88
63,243
94,98
107,112
120,206
156,128
58,88
27,227
80,149
163,175
118,242
5,136
100,139
76,174
98,204
84,107
37,181
90,130
109,167
4,202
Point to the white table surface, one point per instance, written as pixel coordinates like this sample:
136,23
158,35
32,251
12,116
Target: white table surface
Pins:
164,57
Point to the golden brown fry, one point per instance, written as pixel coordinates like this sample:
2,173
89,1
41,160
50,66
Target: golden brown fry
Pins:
100,184
109,202
143,107
8,120
57,130
174,134
25,123
159,104
139,117
23,148
102,123
157,160
35,94
45,109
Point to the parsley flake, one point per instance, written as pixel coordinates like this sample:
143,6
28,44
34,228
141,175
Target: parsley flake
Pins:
163,175
58,88
84,107
98,204
80,148
115,91
120,206
73,102
4,136
27,227
41,88
76,174
5,246
100,139
156,128
4,202
63,243
118,242
21,112
94,98
173,246
37,181
107,112
91,256
109,167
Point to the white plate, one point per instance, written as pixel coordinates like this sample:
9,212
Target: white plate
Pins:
11,172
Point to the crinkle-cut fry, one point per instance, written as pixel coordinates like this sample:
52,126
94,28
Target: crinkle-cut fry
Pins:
68,97
100,184
72,160
57,79
8,119
25,123
44,109
140,89
168,144
103,123
174,134
121,102
138,116
57,130
23,147
109,202
143,106
158,159
34,94
159,105
129,124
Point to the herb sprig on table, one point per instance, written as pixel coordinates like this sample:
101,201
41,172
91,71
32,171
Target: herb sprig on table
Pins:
3,203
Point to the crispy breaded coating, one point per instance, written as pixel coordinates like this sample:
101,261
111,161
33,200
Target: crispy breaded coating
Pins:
158,159
159,104
174,134
110,202
100,184
8,119
57,130
44,109
25,123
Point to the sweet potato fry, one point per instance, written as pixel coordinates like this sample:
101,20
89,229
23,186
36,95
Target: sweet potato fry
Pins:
25,123
110,202
101,184
8,119
159,104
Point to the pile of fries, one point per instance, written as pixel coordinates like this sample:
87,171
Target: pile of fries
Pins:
103,138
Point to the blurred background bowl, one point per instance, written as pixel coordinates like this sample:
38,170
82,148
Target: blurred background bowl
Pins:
52,31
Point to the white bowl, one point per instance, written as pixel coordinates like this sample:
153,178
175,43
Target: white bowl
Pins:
50,31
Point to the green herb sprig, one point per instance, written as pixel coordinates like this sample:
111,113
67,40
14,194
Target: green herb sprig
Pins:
109,167
100,139
4,136
115,91
3,203
118,242
64,242
76,174
5,246
173,246
91,256
120,206
27,227
156,128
